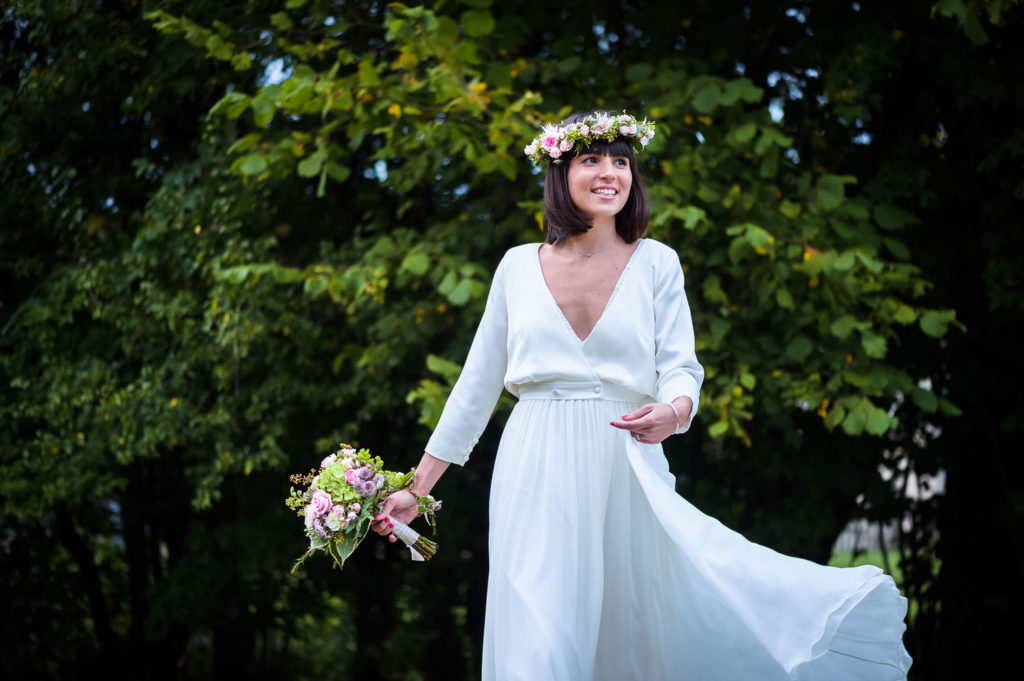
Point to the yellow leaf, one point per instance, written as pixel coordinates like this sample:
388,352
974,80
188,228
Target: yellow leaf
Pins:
395,110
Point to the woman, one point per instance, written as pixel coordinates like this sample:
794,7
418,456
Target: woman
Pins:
598,570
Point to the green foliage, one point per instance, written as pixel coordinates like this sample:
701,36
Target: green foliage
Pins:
212,275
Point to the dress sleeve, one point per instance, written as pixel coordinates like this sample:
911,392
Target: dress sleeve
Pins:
475,394
679,372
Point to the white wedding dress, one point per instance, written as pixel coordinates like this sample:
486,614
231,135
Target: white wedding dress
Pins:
598,569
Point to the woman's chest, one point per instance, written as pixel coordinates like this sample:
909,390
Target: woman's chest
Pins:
582,294
589,312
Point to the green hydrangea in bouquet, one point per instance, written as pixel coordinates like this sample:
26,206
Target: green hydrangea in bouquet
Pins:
341,499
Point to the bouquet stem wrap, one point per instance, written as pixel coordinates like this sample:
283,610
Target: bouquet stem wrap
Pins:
420,547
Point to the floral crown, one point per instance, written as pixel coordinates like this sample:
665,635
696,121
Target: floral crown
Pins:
556,140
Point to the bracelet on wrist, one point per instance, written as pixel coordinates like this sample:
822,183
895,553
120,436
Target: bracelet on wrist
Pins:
676,412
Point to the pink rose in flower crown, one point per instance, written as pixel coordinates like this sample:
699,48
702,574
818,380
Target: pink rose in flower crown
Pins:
600,125
328,461
320,503
584,130
555,152
566,145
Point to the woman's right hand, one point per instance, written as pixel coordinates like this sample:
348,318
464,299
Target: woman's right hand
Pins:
401,506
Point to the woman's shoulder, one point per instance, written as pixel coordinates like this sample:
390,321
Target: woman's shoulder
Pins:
659,252
518,255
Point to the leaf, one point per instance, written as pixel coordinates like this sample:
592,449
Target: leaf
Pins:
835,417
311,166
948,408
281,21
877,422
784,298
799,348
447,284
897,248
855,421
844,326
253,164
925,399
477,22
706,99
218,48
905,314
789,209
936,322
460,294
890,217
718,429
743,133
844,262
691,215
336,172
315,286
368,75
416,262
639,72
829,192
873,344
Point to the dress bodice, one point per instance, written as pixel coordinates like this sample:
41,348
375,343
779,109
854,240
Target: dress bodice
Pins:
642,344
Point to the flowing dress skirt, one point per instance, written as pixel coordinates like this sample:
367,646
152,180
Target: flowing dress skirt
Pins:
599,570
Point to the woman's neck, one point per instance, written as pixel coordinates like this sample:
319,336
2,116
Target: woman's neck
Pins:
599,237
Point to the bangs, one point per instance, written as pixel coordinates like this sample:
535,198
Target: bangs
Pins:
618,147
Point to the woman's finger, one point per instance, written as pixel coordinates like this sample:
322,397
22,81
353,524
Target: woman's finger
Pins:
381,524
638,413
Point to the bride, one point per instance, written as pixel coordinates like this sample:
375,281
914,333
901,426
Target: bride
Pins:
598,569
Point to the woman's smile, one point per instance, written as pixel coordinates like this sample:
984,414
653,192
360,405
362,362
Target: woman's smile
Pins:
599,185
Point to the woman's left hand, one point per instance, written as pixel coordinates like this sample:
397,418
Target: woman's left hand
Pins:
652,423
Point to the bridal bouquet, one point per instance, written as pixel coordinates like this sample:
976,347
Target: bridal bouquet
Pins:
342,498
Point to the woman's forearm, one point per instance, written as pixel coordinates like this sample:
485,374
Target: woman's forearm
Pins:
428,472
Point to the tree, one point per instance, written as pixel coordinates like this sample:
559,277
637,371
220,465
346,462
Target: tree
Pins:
268,266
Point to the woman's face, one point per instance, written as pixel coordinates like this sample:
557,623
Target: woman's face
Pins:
599,185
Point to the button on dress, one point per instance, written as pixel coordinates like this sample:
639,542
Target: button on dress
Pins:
598,569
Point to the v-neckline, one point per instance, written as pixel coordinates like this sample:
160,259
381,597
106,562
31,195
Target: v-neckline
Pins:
607,304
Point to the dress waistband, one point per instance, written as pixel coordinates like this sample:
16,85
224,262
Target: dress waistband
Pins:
580,391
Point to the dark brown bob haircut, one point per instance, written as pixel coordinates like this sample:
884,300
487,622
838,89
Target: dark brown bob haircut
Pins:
563,219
